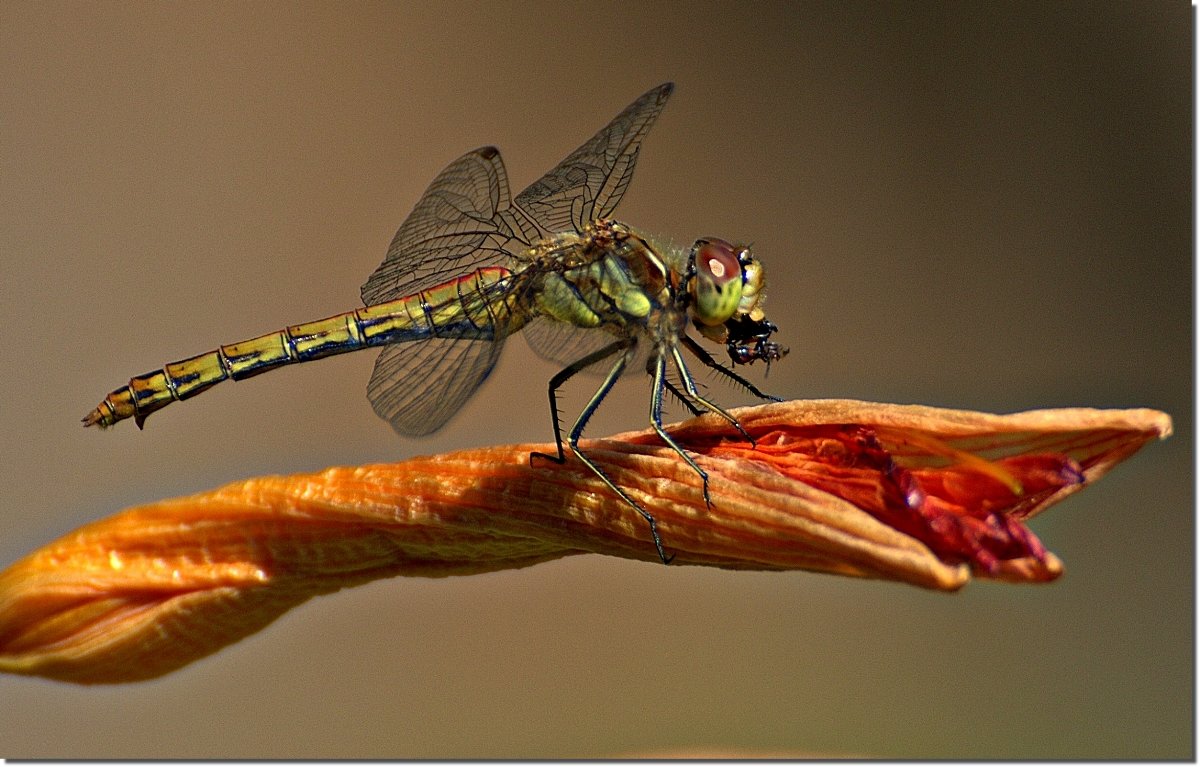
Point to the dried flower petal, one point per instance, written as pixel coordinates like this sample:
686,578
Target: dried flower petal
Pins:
915,494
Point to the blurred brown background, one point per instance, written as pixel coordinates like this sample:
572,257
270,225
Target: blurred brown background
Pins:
972,205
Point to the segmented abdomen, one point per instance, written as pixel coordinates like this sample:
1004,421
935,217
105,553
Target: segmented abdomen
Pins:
471,306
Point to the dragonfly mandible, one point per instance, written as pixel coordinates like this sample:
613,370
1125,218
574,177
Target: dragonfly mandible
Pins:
471,266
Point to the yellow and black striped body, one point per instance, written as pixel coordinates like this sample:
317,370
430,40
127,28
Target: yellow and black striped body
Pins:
471,307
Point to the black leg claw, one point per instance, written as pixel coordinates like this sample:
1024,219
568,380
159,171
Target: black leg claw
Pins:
558,459
662,554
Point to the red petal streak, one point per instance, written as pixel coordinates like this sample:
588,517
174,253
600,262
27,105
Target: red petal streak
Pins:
967,509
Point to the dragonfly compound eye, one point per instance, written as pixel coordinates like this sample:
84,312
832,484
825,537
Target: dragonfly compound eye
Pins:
717,286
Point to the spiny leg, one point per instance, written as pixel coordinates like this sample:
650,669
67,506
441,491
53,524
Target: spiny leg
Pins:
707,359
690,385
581,423
573,442
660,371
560,378
675,392
681,396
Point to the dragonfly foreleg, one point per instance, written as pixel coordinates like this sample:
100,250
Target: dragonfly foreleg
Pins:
675,392
660,383
712,407
707,360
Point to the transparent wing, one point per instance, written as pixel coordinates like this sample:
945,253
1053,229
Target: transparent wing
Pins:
563,343
466,220
462,222
418,387
589,183
566,344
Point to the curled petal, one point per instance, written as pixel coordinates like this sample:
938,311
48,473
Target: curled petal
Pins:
921,495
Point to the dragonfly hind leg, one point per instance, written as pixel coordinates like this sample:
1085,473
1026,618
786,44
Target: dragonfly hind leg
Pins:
560,378
581,423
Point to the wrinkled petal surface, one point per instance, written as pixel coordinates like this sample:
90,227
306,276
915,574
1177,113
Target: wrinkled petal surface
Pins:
922,495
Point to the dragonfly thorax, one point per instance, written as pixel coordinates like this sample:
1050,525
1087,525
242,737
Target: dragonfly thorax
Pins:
605,276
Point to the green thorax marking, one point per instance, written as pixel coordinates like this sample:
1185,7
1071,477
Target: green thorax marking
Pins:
607,275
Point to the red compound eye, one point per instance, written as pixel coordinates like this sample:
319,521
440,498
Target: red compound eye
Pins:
717,287
718,261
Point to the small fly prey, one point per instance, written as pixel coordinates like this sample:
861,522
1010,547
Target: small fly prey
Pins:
471,266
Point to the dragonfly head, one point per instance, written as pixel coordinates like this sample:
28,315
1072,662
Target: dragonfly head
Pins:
724,281
725,291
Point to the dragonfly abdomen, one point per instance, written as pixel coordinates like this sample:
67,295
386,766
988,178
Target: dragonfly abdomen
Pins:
465,307
186,378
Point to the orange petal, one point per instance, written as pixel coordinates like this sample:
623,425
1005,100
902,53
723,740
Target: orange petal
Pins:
930,496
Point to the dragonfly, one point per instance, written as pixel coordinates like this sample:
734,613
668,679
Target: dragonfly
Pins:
471,266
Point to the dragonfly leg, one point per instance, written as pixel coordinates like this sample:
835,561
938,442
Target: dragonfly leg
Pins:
680,396
560,378
707,359
660,383
690,384
573,438
581,423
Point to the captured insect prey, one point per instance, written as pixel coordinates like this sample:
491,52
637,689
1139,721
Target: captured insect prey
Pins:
472,266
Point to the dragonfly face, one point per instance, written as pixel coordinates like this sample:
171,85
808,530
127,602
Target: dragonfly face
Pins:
726,287
471,266
717,274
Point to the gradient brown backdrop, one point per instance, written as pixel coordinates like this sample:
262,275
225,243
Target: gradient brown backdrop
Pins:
982,206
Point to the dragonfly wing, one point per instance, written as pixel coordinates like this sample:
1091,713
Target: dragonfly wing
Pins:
462,222
565,344
589,183
418,387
